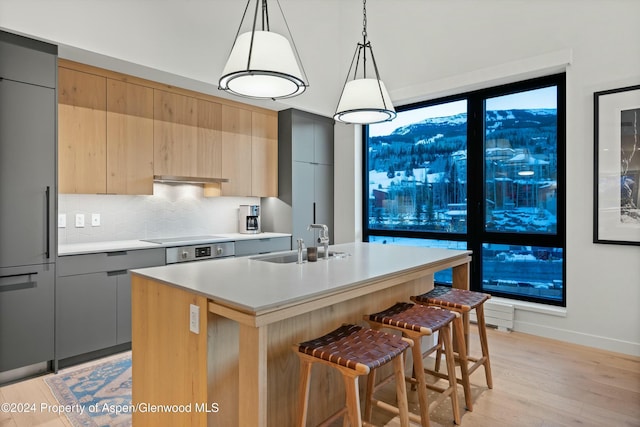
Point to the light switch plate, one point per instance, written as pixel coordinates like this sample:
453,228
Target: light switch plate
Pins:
95,220
79,220
62,220
194,318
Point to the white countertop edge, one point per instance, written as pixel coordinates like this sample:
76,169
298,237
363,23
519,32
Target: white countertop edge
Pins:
125,245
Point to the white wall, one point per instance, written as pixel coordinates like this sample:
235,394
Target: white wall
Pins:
424,49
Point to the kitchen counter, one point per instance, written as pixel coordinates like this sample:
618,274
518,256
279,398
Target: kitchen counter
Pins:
256,287
248,314
126,245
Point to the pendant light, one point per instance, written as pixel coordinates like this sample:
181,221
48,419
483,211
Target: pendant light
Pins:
262,63
364,100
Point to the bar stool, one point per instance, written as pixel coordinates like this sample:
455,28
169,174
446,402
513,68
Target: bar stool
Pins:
415,322
463,301
354,351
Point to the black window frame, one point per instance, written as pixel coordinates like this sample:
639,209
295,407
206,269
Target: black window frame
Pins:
476,234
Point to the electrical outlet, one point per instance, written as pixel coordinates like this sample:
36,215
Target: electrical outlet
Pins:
62,220
194,318
95,220
79,220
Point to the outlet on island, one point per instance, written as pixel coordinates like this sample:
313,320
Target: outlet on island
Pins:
194,318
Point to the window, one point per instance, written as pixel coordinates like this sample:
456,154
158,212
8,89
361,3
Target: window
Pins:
482,170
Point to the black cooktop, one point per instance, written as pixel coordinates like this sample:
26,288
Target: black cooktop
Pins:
183,239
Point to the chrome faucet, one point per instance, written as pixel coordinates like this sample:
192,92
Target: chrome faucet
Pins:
300,247
324,237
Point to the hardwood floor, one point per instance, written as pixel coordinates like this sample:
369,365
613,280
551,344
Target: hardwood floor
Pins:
537,383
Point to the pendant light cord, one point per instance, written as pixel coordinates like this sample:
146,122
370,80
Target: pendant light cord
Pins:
265,16
293,43
364,38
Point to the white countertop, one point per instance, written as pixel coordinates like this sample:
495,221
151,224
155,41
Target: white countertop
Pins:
254,286
125,245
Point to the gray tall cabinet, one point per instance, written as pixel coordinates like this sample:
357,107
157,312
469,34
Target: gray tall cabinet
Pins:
305,171
27,200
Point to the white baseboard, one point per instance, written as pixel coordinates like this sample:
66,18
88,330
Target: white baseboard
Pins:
596,341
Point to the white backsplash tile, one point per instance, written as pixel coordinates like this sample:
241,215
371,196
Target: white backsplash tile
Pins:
173,210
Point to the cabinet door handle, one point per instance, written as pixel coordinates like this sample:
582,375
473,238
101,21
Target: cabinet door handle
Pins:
116,273
116,253
48,227
314,213
19,275
14,285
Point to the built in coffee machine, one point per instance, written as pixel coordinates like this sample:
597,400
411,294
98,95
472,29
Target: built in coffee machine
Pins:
249,219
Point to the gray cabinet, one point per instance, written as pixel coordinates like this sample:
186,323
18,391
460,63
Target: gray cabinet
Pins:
27,161
26,315
86,314
93,299
305,178
27,200
262,246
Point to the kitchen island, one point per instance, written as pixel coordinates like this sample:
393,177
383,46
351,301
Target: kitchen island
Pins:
214,338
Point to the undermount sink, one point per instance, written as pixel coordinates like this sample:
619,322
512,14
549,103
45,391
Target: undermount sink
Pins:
290,257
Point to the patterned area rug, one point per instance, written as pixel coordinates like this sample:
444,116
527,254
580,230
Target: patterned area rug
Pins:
96,395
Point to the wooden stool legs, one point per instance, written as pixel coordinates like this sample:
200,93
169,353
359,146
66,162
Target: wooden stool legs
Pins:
352,409
484,344
354,351
401,394
303,392
414,322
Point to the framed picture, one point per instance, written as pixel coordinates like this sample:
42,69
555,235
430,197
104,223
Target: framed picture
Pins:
616,208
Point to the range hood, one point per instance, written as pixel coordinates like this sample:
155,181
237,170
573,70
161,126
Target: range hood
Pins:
170,179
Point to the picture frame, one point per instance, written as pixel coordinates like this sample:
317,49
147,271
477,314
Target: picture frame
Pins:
616,210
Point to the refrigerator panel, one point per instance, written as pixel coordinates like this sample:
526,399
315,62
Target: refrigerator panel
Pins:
27,174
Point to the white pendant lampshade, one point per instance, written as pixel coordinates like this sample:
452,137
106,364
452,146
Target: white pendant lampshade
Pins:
365,101
262,64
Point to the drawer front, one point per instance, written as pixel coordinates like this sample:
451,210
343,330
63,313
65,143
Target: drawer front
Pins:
26,315
262,246
110,261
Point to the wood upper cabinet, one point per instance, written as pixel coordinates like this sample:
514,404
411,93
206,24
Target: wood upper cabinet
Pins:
116,132
187,136
82,102
236,151
175,134
105,135
209,151
264,155
129,138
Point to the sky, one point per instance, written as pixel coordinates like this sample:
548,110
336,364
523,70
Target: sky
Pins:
539,98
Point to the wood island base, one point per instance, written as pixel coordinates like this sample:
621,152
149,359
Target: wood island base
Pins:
240,369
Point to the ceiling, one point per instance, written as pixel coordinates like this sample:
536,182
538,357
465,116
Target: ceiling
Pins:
418,44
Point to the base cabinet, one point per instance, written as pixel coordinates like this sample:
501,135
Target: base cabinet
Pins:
26,315
123,307
93,299
85,314
262,246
